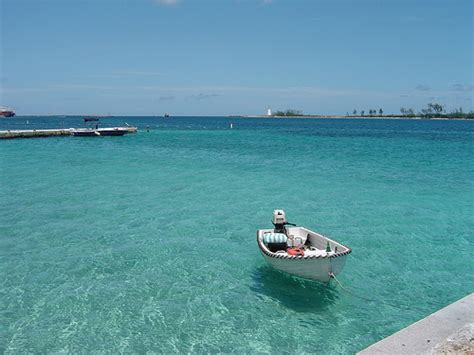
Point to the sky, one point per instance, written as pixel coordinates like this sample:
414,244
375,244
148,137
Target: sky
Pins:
224,57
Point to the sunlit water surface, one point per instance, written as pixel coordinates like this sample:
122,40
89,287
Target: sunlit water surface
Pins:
147,242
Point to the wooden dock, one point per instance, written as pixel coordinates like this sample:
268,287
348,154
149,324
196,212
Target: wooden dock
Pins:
39,133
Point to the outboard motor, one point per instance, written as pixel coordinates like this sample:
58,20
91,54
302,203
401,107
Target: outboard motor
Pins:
279,221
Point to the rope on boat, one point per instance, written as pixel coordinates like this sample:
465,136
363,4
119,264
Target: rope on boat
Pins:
362,297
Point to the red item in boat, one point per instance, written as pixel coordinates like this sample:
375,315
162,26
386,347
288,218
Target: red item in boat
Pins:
295,251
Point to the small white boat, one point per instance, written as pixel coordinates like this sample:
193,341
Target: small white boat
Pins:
94,132
84,132
300,251
112,131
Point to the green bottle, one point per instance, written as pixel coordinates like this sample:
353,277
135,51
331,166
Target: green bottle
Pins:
328,248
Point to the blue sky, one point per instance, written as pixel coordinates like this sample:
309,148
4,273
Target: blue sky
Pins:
219,57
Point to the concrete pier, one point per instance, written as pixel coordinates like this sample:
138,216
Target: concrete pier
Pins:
34,133
447,331
37,133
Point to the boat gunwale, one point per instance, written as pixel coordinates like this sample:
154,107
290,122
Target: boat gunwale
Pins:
270,254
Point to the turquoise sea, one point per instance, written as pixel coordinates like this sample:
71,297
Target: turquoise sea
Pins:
147,242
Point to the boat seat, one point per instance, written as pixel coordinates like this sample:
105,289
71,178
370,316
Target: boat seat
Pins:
275,241
274,238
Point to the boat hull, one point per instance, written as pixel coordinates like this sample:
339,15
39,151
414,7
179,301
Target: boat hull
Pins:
111,132
7,114
85,133
100,132
319,269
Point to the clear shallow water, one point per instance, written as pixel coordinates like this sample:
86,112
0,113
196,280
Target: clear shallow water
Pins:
147,242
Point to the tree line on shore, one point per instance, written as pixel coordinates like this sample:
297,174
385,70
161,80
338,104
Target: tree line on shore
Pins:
369,113
288,112
433,110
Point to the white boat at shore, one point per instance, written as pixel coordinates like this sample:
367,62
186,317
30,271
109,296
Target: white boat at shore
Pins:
93,132
84,132
300,251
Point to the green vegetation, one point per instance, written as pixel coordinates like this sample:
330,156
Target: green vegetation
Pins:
458,113
432,110
407,112
435,110
372,112
289,113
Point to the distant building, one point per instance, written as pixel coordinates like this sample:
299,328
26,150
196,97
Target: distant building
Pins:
269,112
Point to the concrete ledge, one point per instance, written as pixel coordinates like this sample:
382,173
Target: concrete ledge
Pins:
37,133
447,331
34,133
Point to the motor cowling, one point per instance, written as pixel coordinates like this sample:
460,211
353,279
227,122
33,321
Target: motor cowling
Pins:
279,217
279,221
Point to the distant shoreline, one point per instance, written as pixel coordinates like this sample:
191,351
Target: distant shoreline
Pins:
388,117
361,117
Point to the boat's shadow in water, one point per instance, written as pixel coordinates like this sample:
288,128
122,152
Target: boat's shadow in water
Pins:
298,294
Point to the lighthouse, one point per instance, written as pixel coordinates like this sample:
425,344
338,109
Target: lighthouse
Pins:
269,112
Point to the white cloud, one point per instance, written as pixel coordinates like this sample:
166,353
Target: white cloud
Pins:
124,73
289,92
202,96
166,2
462,87
166,98
138,73
422,87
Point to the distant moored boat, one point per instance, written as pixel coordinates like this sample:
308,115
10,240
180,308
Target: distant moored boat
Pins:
95,131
